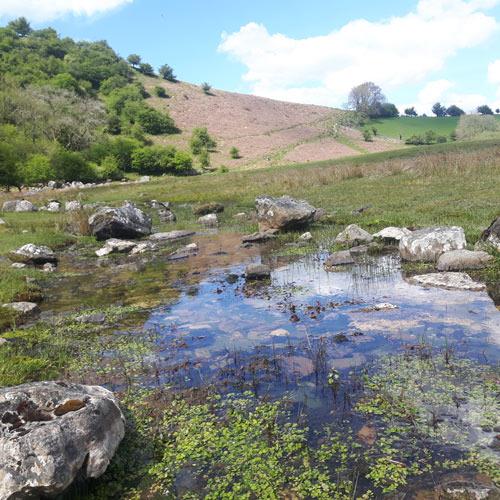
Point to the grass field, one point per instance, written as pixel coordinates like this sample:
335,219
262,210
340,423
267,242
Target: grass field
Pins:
406,126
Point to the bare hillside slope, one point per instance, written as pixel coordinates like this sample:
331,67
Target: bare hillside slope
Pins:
266,131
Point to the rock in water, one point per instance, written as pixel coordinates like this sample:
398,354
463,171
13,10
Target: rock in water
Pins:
171,235
283,213
125,222
50,432
459,260
342,258
426,245
257,272
33,254
391,235
492,235
450,281
353,235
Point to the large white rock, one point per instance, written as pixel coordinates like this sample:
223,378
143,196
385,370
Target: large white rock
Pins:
459,260
53,206
283,213
209,220
72,206
25,206
353,235
448,280
51,432
23,308
392,234
33,254
426,245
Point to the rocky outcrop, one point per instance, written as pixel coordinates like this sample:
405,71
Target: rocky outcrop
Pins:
283,213
24,309
448,280
460,260
33,254
492,235
125,222
353,235
426,245
52,432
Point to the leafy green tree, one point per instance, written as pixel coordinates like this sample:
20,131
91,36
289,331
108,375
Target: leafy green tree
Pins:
160,92
112,83
110,169
113,124
134,60
411,111
366,99
66,81
385,110
117,98
155,123
167,73
484,110
20,26
367,135
71,166
204,158
158,160
146,69
454,110
9,174
439,110
201,140
234,152
37,169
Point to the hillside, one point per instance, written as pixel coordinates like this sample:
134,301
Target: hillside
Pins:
267,132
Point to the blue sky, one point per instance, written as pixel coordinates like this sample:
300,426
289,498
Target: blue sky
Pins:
418,51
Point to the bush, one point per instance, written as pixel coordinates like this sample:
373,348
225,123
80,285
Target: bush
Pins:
158,160
415,140
110,169
201,140
146,69
36,170
112,83
430,137
9,173
234,153
453,136
223,169
71,166
441,139
167,73
121,148
160,92
204,158
206,87
155,123
114,125
367,135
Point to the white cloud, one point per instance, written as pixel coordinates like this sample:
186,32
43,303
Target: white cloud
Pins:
494,78
46,10
395,52
441,91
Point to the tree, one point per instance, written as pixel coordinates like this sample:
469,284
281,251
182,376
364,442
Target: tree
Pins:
134,60
411,111
71,166
204,158
206,87
386,110
36,170
439,110
167,73
367,135
366,98
155,123
146,69
454,110
21,26
158,160
497,111
201,140
160,92
9,175
430,137
484,110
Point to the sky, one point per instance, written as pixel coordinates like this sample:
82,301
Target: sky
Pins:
418,51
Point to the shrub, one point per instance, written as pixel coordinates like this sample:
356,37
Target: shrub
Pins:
223,169
112,83
155,123
71,166
206,87
114,125
204,158
158,160
367,135
441,139
146,69
415,140
167,73
9,174
234,153
121,148
430,137
37,169
453,136
200,140
134,60
160,92
374,131
110,169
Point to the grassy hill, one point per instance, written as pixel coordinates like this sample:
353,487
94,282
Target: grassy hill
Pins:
406,126
267,132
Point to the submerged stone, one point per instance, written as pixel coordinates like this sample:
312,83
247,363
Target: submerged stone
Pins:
448,280
257,272
342,258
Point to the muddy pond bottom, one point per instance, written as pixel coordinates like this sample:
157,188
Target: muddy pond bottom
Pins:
291,333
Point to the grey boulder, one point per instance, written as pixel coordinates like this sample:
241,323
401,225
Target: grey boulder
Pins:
125,222
492,235
459,260
23,308
283,213
426,245
52,432
257,272
209,220
353,235
33,254
342,258
391,235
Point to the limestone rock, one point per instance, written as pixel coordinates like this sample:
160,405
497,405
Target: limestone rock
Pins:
184,252
353,235
23,308
51,432
125,222
171,235
283,213
72,206
392,235
209,220
342,258
426,245
459,260
33,254
257,272
448,280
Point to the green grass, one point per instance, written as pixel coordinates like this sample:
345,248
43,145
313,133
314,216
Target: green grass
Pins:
406,126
